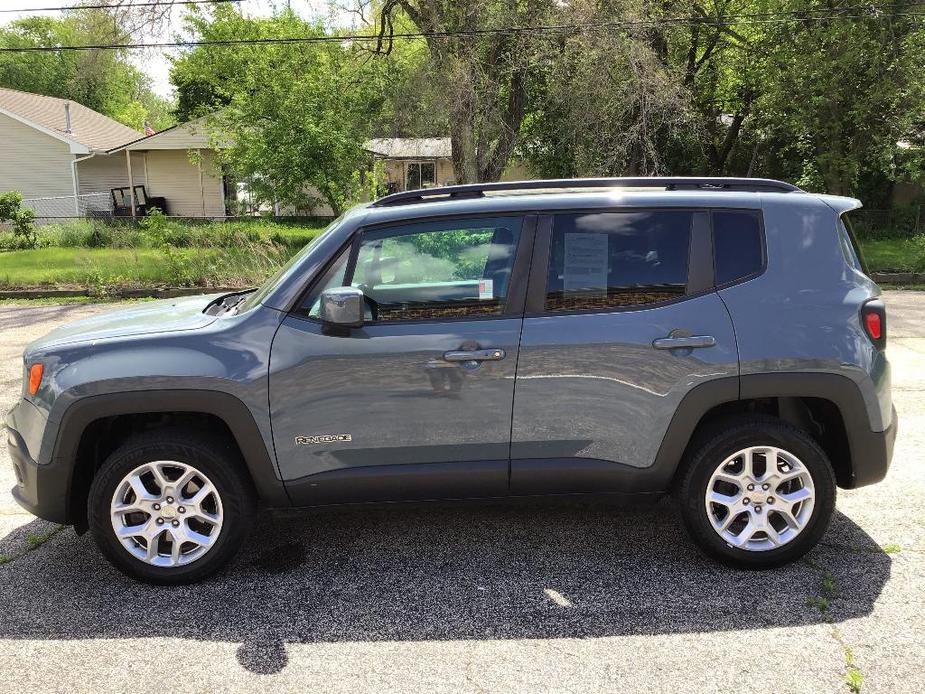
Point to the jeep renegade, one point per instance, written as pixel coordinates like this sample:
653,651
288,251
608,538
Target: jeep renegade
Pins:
715,338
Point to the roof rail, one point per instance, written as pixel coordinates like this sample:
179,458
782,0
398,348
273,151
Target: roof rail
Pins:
478,190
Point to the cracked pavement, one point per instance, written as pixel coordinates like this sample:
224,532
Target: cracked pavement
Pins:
510,597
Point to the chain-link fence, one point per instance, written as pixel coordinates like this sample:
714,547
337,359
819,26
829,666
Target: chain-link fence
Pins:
900,221
61,207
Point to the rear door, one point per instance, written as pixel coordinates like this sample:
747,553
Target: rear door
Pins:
417,403
622,322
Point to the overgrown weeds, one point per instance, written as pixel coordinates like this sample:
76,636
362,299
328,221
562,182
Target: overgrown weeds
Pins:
156,230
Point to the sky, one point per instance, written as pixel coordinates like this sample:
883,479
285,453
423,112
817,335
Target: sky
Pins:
156,64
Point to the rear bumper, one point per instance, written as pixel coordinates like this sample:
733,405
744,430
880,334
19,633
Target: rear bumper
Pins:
40,489
871,454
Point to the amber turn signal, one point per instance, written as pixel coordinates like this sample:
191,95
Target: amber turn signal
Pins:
35,377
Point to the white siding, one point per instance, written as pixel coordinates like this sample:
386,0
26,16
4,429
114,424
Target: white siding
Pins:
517,171
173,176
190,135
104,172
35,164
445,174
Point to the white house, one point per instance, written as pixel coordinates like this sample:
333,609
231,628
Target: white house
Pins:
65,158
56,152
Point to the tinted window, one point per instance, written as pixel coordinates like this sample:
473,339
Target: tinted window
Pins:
736,244
849,244
432,270
617,259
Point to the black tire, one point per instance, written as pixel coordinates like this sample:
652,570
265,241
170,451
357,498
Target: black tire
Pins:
208,454
735,435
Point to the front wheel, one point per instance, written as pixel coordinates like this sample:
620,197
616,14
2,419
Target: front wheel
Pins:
758,494
170,507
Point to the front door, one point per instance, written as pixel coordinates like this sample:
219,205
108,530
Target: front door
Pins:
622,322
417,403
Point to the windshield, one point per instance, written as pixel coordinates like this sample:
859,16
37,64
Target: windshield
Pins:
264,289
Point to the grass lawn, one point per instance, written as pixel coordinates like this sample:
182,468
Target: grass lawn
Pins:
127,267
79,266
888,254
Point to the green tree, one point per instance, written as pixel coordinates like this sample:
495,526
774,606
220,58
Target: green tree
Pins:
287,118
843,94
484,79
102,80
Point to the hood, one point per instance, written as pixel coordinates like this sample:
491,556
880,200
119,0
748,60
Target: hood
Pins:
166,315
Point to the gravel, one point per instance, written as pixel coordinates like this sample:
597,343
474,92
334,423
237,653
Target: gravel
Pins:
481,597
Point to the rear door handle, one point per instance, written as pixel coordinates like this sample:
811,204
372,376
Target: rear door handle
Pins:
692,342
475,355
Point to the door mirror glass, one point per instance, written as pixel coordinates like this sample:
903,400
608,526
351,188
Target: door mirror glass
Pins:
342,307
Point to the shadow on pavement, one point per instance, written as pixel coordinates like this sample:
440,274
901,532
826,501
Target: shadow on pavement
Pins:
438,573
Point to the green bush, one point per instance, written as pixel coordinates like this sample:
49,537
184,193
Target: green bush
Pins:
22,221
156,231
918,253
899,222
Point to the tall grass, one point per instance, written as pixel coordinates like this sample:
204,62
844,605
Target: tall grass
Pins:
101,255
156,232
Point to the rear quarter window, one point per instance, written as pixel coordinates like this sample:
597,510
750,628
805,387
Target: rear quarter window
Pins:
849,244
738,248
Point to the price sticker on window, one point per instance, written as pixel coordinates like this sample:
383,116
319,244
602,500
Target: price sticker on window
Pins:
486,289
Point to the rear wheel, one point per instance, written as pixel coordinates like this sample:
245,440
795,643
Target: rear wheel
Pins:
170,507
758,493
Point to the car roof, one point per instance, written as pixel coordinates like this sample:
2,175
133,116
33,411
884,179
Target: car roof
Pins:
512,201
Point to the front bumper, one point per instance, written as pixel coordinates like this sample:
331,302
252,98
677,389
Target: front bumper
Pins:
871,454
43,490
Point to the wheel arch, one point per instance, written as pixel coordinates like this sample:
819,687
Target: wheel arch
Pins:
85,420
830,407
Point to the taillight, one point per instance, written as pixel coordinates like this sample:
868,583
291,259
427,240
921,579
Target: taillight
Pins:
35,377
873,318
873,324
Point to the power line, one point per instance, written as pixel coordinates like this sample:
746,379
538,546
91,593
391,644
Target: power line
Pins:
150,3
758,18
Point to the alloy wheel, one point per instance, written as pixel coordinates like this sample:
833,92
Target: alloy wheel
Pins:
760,498
166,513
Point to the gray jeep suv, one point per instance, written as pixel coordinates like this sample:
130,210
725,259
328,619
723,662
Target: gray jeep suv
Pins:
715,338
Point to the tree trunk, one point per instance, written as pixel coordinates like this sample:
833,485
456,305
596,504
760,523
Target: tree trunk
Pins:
718,155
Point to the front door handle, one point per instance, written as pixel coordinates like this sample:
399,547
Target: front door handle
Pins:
692,342
475,355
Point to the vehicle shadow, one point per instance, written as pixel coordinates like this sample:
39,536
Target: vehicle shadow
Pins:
509,571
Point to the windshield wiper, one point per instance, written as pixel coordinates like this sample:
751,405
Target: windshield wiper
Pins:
226,303
232,306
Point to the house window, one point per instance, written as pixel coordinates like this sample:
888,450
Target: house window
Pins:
420,174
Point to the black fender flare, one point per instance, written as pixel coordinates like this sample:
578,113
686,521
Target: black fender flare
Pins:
869,451
232,411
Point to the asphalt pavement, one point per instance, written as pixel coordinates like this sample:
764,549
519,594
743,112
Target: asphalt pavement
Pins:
501,598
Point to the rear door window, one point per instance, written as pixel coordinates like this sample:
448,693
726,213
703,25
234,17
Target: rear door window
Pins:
611,260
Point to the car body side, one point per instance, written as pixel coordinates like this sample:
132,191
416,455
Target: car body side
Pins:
797,331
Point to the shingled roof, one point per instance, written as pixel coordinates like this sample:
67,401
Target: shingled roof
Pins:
88,128
411,147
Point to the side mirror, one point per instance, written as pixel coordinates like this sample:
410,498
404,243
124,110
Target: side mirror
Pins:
342,307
